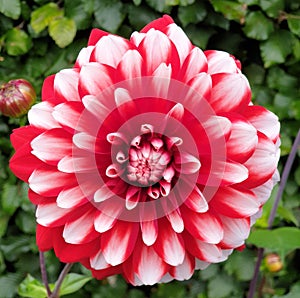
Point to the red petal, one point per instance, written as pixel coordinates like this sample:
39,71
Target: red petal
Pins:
81,230
264,121
48,90
66,85
23,163
204,226
40,115
47,181
70,253
118,243
242,141
263,163
169,245
158,24
52,145
236,230
232,202
185,270
148,266
230,92
95,35
94,78
220,62
109,50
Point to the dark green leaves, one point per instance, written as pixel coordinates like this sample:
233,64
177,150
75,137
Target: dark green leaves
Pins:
258,26
192,14
230,9
109,14
276,48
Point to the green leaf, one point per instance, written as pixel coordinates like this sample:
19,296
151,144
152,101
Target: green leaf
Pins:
249,2
158,5
257,26
4,218
137,2
276,48
282,239
294,23
12,197
221,286
62,31
192,14
41,17
72,283
296,49
9,284
11,8
17,42
32,288
199,35
287,215
109,14
233,265
231,10
272,7
186,2
172,2
75,9
139,16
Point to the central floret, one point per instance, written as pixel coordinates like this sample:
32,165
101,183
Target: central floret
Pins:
148,160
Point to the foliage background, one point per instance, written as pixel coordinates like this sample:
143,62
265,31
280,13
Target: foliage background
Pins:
40,37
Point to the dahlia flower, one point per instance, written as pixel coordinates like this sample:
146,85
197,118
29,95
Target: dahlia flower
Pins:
147,158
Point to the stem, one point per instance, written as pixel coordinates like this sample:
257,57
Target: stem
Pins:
61,277
284,178
44,273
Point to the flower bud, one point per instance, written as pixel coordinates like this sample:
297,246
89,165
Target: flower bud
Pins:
16,98
273,262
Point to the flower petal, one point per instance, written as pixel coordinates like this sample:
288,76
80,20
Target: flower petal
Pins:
232,202
94,78
148,266
40,115
118,243
66,85
203,226
264,121
80,230
155,48
49,182
220,62
185,270
52,145
230,92
236,230
181,41
169,245
110,49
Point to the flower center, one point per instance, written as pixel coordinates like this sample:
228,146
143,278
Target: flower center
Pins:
147,160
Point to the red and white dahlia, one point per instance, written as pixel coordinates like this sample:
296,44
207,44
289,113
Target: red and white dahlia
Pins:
147,158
